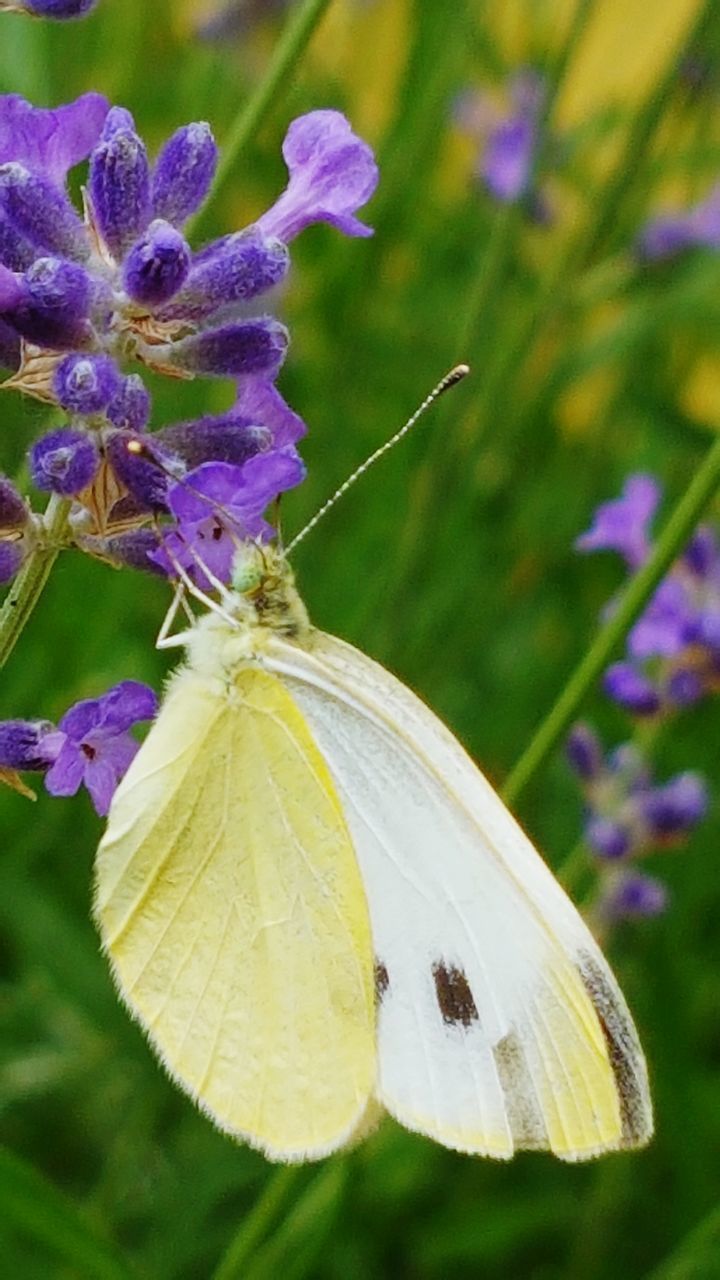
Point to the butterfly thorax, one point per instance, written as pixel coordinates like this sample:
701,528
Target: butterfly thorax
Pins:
264,604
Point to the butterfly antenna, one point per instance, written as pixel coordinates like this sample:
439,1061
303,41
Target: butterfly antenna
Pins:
454,376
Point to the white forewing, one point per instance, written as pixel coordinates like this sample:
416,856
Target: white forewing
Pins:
500,1024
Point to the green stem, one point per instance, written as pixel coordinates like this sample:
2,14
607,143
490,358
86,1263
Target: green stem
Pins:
256,1225
673,538
28,586
294,40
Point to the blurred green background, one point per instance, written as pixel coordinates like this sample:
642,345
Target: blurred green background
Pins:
452,564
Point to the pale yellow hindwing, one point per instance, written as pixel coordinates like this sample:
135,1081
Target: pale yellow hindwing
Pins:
230,903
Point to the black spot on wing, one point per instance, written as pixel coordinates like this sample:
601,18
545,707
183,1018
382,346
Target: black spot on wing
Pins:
382,981
454,997
624,1053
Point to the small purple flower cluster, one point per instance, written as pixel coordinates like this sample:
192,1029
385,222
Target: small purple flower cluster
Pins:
672,661
673,650
629,815
508,141
92,744
81,298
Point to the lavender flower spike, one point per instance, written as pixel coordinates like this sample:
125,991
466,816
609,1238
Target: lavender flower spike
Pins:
98,747
332,173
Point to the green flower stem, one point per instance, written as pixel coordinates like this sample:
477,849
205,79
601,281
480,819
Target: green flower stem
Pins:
673,538
292,44
258,1222
28,586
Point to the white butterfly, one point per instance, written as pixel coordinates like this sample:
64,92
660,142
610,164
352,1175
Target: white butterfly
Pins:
318,908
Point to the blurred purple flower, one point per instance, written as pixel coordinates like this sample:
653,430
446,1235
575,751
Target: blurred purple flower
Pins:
673,650
632,896
627,813
97,746
622,524
670,234
509,142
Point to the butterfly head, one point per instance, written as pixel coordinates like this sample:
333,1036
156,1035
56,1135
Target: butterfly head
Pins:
265,588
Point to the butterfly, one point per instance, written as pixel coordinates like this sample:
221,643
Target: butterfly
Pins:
319,909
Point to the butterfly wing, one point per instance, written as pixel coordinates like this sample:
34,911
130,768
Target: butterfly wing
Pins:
230,903
500,1025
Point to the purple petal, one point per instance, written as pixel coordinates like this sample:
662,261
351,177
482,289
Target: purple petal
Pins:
332,174
50,141
101,779
268,474
125,705
66,775
621,525
261,402
203,490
